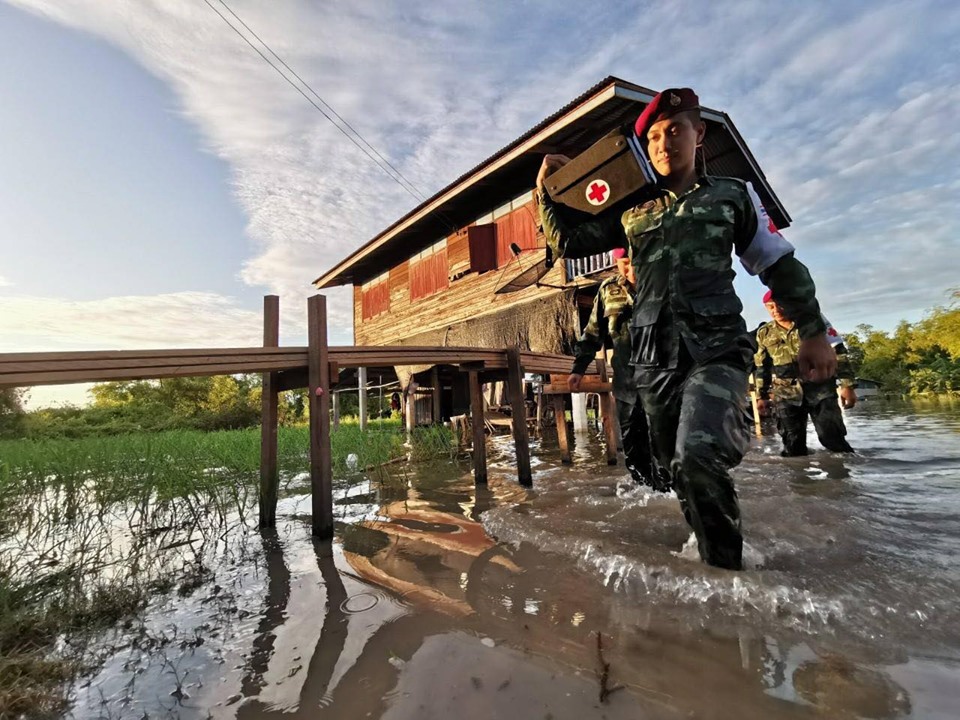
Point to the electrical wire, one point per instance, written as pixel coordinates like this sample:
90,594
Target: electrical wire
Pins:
411,190
322,101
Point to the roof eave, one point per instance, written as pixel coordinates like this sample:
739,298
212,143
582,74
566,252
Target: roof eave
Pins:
331,277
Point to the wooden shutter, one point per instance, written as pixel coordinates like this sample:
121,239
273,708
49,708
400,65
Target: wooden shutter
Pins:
518,226
429,274
483,247
375,299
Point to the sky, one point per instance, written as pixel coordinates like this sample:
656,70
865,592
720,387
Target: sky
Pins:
158,178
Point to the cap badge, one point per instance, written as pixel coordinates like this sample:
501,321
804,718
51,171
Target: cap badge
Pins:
674,99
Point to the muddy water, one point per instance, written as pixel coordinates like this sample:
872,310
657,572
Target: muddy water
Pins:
439,599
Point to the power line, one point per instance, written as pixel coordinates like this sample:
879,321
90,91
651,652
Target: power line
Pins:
322,101
413,192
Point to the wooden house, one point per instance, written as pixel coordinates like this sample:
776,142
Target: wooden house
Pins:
430,278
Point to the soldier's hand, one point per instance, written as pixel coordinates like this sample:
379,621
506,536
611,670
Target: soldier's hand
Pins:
573,382
848,397
817,359
550,164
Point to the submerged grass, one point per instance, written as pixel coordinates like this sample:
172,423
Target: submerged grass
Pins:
88,529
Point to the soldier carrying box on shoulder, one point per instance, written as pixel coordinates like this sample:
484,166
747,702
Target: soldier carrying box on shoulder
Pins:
689,343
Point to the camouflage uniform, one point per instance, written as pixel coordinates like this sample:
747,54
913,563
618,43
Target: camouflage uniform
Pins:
689,343
609,324
795,399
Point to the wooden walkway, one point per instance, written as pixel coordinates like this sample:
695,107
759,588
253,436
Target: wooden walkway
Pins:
316,367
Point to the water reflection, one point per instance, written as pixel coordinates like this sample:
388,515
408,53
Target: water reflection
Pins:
440,598
435,563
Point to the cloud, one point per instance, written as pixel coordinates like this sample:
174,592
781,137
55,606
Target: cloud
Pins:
847,107
179,320
4,282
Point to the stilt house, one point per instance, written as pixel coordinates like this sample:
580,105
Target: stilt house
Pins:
431,277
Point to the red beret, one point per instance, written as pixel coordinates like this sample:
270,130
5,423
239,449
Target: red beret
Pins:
668,103
619,253
768,296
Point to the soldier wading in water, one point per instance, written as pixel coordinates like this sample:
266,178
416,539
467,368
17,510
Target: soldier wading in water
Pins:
690,348
609,324
795,399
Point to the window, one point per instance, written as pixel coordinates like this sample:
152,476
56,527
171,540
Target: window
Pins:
375,296
429,271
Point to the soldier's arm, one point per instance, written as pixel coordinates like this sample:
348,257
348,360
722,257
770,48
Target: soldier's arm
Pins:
591,340
582,240
765,252
844,368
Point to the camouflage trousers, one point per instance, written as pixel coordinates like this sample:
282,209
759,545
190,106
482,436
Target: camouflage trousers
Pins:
827,420
637,452
698,431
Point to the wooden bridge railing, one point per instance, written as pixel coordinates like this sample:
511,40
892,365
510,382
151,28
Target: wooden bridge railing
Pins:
316,367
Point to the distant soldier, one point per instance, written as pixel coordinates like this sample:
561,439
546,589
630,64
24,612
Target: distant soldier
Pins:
690,344
794,398
609,326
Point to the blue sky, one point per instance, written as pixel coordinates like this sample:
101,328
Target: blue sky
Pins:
158,178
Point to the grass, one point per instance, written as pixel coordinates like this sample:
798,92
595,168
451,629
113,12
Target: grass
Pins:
86,527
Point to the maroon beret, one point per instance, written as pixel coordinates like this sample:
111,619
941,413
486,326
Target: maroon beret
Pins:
668,103
767,296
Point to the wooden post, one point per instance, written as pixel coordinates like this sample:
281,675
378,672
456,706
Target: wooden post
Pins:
477,419
269,473
539,429
609,405
753,402
321,466
411,406
362,390
518,412
563,433
435,383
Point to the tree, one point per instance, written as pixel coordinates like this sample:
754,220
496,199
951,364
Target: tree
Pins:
11,411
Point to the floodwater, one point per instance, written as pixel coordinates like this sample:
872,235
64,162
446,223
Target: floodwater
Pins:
440,600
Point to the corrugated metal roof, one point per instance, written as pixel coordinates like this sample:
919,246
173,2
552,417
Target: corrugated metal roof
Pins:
606,105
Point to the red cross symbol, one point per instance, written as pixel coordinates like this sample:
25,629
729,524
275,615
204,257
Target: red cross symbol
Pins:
597,192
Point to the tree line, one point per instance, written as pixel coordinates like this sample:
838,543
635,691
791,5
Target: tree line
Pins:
918,358
224,402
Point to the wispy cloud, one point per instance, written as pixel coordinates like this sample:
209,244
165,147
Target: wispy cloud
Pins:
159,321
848,107
4,282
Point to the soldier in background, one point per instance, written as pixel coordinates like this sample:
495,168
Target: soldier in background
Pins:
609,326
795,399
689,342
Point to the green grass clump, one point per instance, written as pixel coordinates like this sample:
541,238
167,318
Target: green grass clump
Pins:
64,502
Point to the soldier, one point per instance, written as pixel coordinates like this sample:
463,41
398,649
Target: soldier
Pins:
690,347
609,324
794,399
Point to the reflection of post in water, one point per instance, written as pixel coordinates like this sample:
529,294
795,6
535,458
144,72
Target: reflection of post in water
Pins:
483,501
333,636
278,594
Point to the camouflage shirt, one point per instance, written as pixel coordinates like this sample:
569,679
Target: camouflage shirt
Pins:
782,345
681,248
609,324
